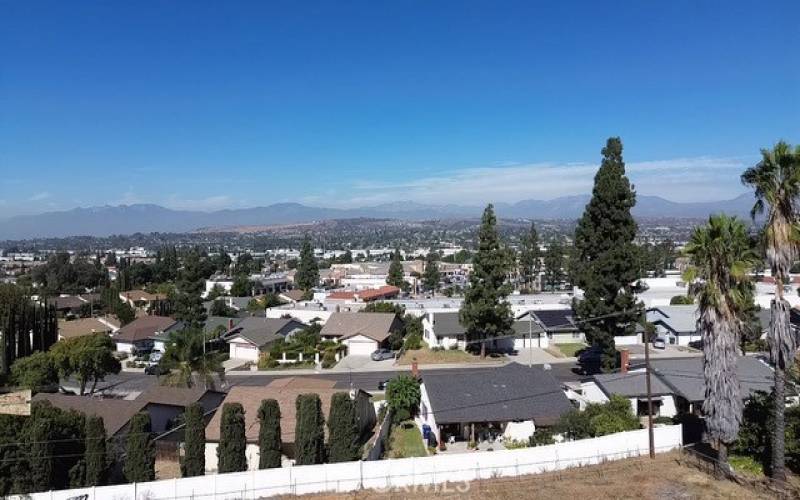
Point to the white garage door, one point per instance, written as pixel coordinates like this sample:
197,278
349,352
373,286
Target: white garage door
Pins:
361,348
244,351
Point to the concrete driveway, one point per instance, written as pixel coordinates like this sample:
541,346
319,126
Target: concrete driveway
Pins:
362,363
536,356
670,351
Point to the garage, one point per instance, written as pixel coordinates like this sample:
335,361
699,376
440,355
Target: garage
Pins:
241,349
360,345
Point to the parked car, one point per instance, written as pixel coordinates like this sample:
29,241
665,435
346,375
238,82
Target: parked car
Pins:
659,343
156,369
382,384
382,354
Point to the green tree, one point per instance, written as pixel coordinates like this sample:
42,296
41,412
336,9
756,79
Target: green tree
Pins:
241,286
89,358
95,457
403,396
307,276
269,435
776,182
342,429
598,419
35,372
606,257
553,265
187,359
220,308
309,430
189,306
193,462
431,276
396,276
681,300
721,257
485,312
40,455
530,258
140,458
232,440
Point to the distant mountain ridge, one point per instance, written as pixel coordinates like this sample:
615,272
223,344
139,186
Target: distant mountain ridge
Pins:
147,218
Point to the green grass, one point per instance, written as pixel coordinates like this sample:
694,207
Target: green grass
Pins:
406,441
570,350
746,464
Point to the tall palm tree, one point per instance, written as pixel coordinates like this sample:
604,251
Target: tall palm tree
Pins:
776,181
189,361
721,258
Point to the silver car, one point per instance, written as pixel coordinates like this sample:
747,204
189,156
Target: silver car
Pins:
659,343
382,354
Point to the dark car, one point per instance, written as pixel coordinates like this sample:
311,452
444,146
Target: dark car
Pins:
382,384
382,354
156,370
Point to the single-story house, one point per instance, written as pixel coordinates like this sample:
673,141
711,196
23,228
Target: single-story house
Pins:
142,299
675,324
559,325
292,296
68,329
139,333
444,329
66,304
385,292
285,392
250,336
213,324
362,333
468,405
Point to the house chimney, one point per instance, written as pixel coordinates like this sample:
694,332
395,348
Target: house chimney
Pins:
230,324
414,368
624,357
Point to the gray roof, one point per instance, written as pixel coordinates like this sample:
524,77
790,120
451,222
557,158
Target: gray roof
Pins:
263,331
448,324
631,385
556,320
511,392
377,326
685,376
679,319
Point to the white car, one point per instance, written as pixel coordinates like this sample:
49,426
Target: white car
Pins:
659,343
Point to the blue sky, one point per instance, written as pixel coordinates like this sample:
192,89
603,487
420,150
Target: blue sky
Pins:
208,105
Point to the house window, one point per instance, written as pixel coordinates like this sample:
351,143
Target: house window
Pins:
424,412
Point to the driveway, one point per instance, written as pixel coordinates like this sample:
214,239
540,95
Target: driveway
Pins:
536,356
362,363
670,351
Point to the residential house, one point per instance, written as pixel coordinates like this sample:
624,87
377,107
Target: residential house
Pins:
292,296
362,333
559,324
66,305
444,329
476,405
68,329
366,295
140,333
285,392
675,324
142,299
251,336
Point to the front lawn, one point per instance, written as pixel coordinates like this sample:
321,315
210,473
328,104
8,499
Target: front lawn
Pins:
305,365
570,350
427,356
406,441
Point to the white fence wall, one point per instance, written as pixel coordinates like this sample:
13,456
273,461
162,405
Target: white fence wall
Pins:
383,474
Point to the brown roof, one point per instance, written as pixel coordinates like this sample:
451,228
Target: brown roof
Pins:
344,295
142,295
285,391
66,302
143,328
383,292
172,396
377,326
115,412
80,327
295,295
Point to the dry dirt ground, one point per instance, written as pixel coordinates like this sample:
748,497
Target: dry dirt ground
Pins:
669,476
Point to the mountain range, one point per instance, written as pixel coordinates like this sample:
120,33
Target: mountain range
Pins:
146,218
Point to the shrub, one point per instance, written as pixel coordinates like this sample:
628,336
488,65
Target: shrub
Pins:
403,395
413,342
194,459
541,437
328,359
269,434
140,461
342,429
598,420
681,300
309,430
231,448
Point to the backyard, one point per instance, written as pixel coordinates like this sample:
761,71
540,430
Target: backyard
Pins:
406,441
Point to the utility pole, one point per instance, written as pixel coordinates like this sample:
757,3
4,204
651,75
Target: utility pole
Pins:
650,436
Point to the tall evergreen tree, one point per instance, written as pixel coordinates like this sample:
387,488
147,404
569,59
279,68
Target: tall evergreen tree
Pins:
606,257
342,429
269,434
307,276
40,455
309,438
485,312
189,306
231,455
553,264
431,276
194,458
96,459
140,459
530,258
396,275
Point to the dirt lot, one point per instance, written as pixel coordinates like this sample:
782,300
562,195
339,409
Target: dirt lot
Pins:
667,477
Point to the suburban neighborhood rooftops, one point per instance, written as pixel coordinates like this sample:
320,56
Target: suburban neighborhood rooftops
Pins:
675,318
295,295
261,331
511,392
285,391
555,319
144,327
82,326
115,412
447,324
66,302
377,326
685,376
142,296
633,384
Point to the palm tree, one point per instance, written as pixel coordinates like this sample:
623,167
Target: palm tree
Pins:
187,359
776,181
721,258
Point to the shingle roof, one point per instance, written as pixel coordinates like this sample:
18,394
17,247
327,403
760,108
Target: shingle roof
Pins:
66,302
631,384
142,295
142,328
685,376
82,326
377,326
679,319
115,412
262,331
448,324
511,392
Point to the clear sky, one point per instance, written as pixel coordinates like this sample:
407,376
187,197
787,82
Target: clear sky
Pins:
206,105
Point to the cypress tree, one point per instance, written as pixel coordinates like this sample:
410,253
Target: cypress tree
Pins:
529,258
269,434
95,457
553,265
40,455
231,455
194,458
307,276
396,276
606,256
485,312
431,276
309,433
342,429
140,460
